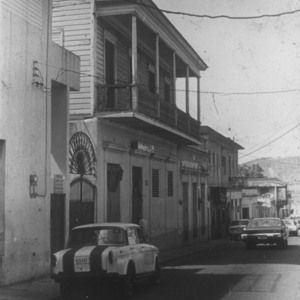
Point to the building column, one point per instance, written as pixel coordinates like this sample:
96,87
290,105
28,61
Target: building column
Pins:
174,78
187,90
198,99
157,65
134,90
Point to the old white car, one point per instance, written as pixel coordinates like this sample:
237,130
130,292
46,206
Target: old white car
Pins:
100,253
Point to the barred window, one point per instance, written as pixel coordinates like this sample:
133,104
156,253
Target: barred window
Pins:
170,184
155,183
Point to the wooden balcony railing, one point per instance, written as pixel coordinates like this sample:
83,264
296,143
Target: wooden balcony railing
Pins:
114,98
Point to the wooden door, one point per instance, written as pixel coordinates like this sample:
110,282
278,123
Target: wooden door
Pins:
137,194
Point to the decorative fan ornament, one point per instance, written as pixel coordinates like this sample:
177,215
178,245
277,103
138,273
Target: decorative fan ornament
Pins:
82,157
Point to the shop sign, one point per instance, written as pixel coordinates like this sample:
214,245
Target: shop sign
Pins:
58,184
143,146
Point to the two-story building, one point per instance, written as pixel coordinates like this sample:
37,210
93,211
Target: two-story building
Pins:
225,190
127,133
36,76
265,197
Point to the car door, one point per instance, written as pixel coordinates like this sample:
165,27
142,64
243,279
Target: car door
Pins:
139,252
136,251
147,252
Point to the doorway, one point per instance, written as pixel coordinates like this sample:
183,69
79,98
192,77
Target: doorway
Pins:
57,219
82,202
110,73
114,176
137,194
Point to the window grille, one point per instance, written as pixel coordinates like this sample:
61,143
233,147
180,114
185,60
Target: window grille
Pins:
155,183
170,184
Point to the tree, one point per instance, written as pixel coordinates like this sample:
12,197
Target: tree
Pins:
254,171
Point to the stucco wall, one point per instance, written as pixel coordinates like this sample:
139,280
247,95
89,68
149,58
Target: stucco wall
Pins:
25,125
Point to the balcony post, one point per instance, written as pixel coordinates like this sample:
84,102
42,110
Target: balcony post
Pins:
198,99
174,85
187,96
157,74
134,90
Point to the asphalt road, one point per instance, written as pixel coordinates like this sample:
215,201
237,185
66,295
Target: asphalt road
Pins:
231,273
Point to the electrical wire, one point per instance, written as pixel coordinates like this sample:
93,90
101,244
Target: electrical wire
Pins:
265,145
217,16
182,90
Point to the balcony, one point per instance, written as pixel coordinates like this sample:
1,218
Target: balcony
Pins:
236,182
137,108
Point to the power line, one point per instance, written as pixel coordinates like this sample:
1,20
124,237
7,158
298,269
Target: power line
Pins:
219,93
217,16
270,142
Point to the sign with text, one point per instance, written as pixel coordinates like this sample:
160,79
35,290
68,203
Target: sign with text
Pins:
58,184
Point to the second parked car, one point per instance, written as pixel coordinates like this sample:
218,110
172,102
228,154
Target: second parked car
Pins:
236,227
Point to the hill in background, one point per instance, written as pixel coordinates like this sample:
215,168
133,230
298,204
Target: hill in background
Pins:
285,168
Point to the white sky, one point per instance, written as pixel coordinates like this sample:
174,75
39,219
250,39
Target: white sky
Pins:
246,56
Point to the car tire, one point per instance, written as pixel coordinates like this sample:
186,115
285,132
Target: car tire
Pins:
155,278
66,291
249,246
129,281
283,244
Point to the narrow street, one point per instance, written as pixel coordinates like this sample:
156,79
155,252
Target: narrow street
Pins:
230,273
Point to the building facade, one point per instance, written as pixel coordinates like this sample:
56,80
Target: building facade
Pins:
265,197
36,76
127,134
225,190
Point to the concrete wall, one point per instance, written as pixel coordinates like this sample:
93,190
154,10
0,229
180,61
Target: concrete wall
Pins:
25,129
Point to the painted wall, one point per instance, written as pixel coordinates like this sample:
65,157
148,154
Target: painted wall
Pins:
114,146
25,126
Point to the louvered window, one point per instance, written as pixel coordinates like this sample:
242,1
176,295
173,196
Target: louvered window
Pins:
155,183
170,184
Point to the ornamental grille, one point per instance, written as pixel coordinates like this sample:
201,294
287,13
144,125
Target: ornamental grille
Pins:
82,159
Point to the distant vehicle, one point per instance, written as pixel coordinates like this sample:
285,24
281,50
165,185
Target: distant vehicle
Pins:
295,218
236,227
108,252
265,231
292,226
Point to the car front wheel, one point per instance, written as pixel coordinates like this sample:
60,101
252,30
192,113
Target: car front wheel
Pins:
128,281
249,245
66,290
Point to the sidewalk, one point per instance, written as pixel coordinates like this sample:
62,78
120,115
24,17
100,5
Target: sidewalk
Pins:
47,289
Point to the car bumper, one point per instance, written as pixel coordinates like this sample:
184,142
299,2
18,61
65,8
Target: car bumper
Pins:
82,276
263,239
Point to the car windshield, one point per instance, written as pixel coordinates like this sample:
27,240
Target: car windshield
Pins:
239,222
264,223
288,222
96,236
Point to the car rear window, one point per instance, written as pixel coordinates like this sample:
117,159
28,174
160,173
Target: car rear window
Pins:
96,236
264,223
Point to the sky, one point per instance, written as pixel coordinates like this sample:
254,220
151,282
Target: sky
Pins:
251,89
